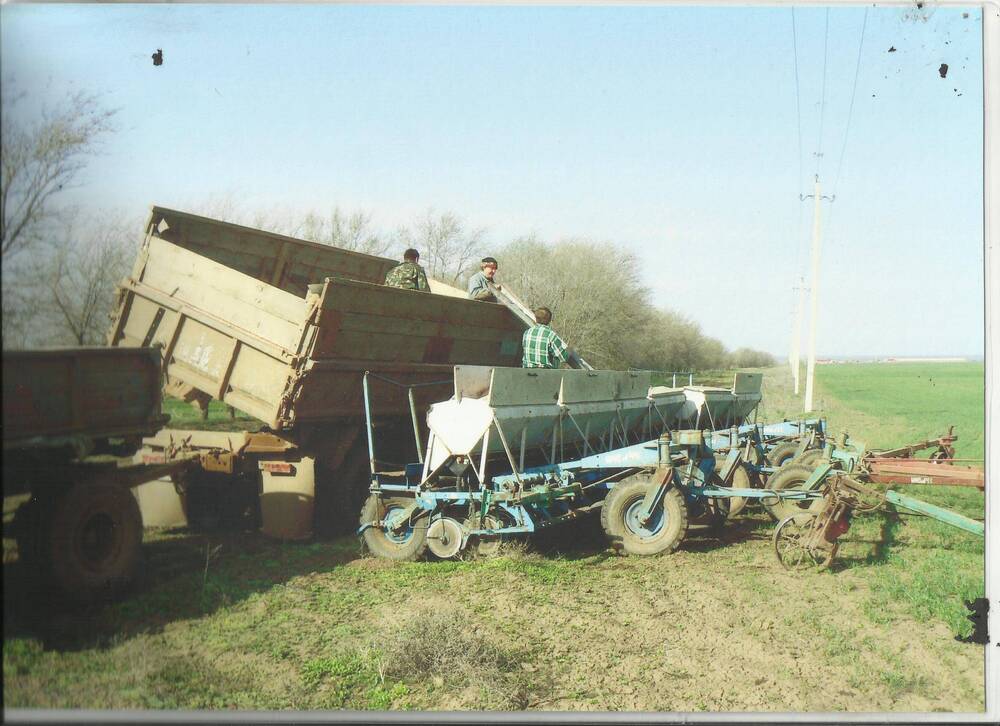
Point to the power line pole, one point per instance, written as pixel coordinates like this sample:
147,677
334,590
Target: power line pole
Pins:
813,293
794,358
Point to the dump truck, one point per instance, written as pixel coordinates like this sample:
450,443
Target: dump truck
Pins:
284,330
69,415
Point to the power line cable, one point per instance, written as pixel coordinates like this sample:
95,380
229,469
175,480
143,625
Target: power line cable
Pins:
798,103
850,111
822,107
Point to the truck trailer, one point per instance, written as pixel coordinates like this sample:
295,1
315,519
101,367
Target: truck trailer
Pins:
284,330
69,416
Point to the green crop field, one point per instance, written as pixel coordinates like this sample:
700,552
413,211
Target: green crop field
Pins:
235,621
893,404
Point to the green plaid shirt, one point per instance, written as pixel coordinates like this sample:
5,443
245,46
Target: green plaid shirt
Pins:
542,348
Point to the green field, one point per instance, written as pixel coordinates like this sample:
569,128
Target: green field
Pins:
893,404
228,621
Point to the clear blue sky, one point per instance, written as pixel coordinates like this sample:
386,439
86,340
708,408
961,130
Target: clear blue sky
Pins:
670,131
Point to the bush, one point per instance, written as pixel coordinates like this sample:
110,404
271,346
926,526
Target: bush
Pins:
438,645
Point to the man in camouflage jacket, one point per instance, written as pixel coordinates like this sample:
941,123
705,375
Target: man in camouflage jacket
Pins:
408,275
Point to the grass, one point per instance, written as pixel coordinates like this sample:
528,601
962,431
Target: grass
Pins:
923,566
220,417
559,622
896,404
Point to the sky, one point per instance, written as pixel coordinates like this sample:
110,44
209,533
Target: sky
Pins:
685,135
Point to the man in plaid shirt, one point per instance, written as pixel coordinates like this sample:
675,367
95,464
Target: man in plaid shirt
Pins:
542,347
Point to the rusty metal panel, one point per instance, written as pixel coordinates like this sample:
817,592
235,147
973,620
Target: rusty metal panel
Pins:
359,320
331,390
286,263
80,391
207,354
892,470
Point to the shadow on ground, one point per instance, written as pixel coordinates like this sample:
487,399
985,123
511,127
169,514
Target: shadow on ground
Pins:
184,575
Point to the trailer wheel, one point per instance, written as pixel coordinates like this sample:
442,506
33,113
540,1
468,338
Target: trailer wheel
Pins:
792,476
662,534
407,545
95,540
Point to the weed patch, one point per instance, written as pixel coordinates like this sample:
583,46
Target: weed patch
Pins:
352,680
436,646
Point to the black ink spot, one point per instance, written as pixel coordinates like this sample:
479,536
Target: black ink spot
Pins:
978,609
943,70
920,6
158,57
965,15
892,49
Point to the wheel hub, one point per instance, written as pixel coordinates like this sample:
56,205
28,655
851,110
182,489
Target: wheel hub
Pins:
98,540
633,520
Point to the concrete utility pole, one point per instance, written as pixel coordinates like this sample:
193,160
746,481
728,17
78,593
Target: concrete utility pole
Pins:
813,296
795,358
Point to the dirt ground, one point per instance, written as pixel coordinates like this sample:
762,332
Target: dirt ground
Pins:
699,631
717,626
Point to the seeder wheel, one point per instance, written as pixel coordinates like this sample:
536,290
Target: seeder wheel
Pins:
407,543
794,543
782,454
790,476
662,533
732,506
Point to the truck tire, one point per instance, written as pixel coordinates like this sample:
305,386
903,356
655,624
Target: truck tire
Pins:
407,546
95,540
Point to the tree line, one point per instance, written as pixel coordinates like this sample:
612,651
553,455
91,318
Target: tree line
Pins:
62,266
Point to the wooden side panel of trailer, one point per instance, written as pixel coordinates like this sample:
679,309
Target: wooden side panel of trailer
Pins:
288,360
93,392
372,322
283,262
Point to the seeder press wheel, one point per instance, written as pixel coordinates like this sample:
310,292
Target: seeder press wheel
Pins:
484,545
798,545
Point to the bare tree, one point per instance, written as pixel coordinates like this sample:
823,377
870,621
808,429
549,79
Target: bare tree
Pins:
40,159
593,289
64,291
447,248
347,231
